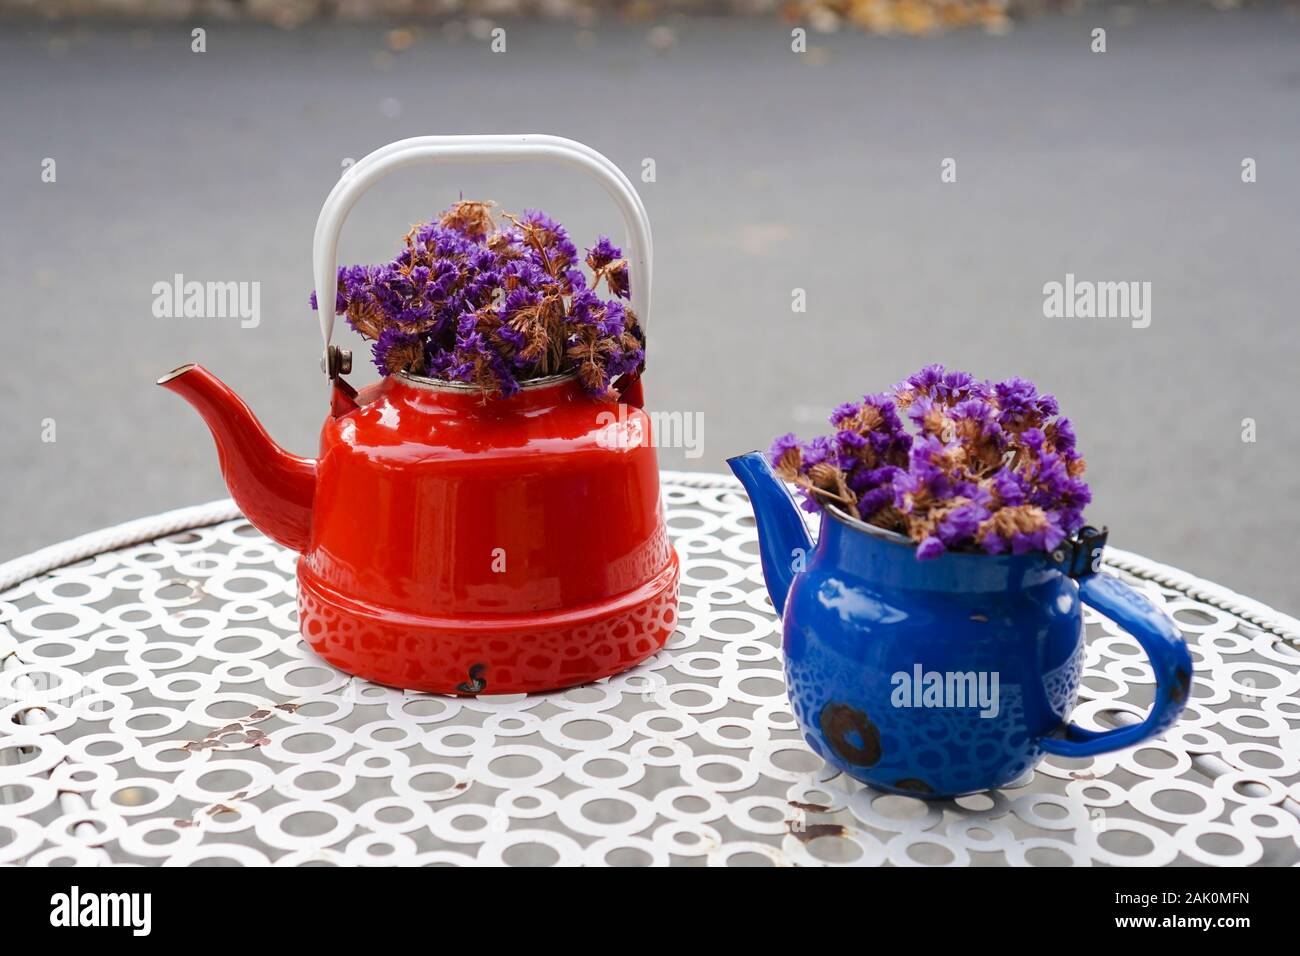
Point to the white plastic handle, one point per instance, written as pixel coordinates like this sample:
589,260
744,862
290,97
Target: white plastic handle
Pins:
425,150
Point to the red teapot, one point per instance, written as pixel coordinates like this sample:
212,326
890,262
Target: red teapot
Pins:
450,544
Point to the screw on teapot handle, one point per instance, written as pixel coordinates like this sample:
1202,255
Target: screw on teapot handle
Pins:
426,150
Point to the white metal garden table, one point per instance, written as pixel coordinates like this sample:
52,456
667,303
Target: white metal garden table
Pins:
158,706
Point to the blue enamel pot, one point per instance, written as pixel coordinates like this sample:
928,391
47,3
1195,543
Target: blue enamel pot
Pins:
943,677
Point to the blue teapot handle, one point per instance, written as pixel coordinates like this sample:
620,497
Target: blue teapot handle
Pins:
1170,660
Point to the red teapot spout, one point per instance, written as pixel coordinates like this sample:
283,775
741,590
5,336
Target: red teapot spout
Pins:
273,488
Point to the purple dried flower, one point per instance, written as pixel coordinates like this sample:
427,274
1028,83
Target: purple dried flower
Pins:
468,301
843,413
872,500
927,379
602,254
548,240
782,447
606,262
396,351
819,450
929,548
989,467
960,525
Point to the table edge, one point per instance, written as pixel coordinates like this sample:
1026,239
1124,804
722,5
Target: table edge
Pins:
149,527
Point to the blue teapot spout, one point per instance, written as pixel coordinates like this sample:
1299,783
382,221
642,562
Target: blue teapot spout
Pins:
783,539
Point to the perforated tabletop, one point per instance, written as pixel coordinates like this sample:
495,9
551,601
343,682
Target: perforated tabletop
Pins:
157,705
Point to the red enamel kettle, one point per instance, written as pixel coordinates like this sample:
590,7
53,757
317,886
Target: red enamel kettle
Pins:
450,544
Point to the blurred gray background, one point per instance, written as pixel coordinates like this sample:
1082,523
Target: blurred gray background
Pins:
774,171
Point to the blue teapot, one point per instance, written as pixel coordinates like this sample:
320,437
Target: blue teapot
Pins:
943,677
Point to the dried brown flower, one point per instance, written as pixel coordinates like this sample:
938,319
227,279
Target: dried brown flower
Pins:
829,481
471,217
1010,521
408,356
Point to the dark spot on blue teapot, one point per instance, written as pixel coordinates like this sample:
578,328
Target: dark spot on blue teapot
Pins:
851,734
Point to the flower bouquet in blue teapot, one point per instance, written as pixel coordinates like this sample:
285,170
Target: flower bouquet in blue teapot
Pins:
933,635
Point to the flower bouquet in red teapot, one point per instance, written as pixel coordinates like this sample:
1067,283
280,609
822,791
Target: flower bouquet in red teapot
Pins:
469,527
468,300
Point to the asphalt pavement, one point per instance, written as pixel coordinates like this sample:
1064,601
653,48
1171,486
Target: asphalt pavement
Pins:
773,172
